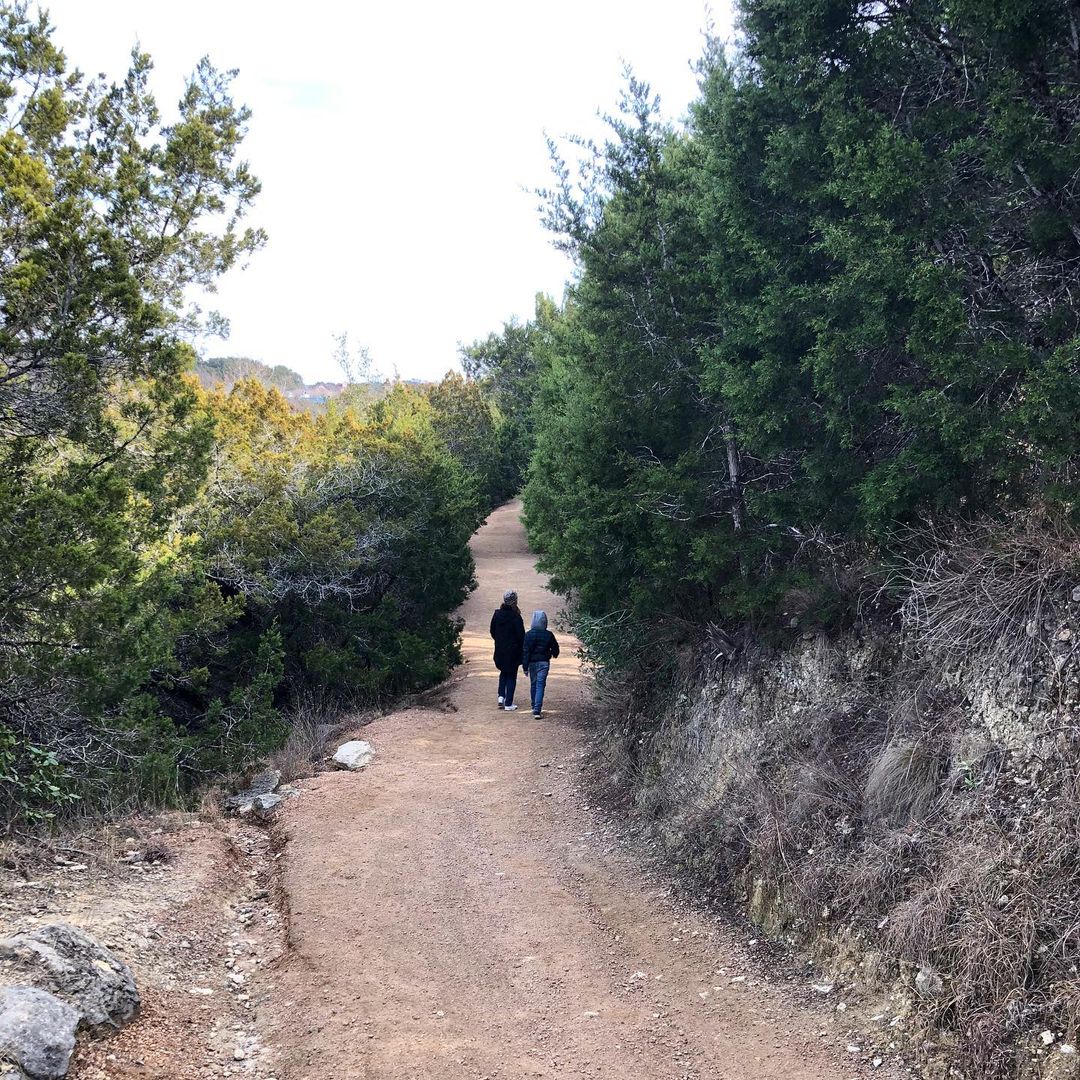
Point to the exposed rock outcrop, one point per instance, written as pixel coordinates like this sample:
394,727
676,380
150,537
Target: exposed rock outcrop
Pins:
75,968
37,1033
260,795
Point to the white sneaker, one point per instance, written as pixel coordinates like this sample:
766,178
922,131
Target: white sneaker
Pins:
509,708
501,699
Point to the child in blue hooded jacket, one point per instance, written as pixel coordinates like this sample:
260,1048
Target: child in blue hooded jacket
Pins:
537,652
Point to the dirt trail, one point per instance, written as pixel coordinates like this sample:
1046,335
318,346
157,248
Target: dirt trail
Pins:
453,912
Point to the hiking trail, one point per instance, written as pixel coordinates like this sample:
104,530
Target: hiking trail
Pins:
457,911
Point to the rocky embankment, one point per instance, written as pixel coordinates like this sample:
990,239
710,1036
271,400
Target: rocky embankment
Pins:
902,816
59,981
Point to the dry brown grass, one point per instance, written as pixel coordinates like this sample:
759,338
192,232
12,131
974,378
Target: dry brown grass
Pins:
973,873
904,783
312,726
302,751
93,842
991,592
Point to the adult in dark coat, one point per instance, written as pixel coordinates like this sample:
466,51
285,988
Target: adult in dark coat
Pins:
508,630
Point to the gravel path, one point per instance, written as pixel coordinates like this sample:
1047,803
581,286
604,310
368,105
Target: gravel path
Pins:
454,911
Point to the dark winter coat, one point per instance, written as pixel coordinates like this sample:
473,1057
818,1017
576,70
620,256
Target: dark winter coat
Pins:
508,630
538,645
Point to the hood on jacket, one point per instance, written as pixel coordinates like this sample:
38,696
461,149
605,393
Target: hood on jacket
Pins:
539,620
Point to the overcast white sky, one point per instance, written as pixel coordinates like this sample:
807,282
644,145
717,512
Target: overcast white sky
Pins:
393,142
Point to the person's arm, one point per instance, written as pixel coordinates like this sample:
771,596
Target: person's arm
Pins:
525,654
491,629
554,646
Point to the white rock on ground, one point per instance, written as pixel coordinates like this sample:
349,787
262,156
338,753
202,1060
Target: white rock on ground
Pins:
354,754
37,1032
70,964
264,805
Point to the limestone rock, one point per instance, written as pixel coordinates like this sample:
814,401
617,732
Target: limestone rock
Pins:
354,754
262,787
264,805
70,964
266,782
37,1032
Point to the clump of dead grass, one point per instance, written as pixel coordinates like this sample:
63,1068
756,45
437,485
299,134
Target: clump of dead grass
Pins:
904,782
312,726
990,592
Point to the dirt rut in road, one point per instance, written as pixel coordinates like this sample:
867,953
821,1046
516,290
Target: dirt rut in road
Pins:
453,913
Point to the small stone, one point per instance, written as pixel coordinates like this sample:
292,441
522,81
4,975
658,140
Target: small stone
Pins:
928,983
822,988
265,782
264,805
1047,1038
239,1054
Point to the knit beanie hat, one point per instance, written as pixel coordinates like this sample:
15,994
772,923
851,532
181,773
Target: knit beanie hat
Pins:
510,597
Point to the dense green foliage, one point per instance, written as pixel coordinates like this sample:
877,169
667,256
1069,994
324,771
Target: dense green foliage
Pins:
102,212
507,366
843,299
479,435
178,565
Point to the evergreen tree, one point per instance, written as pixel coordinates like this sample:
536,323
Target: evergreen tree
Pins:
843,299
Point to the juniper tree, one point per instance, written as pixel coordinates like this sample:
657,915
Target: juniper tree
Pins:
108,214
